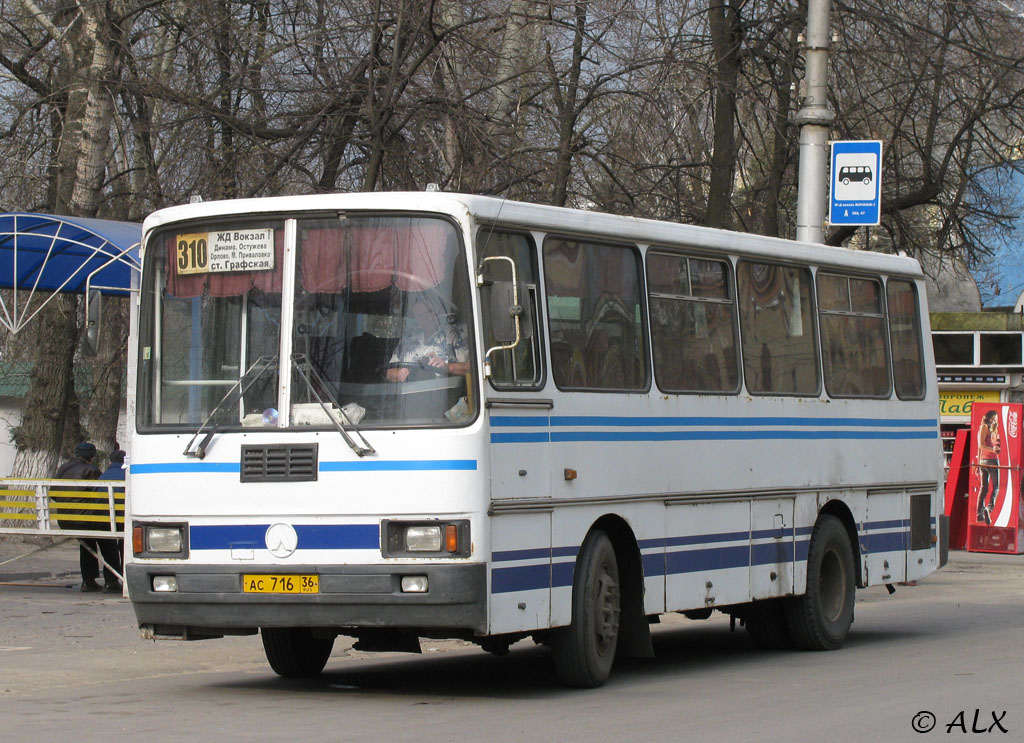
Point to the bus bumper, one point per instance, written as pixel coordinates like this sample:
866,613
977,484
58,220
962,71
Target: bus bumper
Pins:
209,601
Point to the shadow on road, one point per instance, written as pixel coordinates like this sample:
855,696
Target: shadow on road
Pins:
685,651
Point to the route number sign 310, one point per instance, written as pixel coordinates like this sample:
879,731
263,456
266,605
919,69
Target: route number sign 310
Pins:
225,250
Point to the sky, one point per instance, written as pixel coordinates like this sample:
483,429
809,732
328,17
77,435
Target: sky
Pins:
1001,281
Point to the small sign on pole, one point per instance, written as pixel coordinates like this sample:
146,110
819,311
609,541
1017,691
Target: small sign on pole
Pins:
856,183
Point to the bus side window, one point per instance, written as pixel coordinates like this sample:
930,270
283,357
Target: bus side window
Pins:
595,315
693,324
853,347
905,340
519,367
776,324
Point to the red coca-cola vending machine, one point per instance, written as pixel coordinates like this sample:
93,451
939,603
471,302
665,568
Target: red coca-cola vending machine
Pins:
994,519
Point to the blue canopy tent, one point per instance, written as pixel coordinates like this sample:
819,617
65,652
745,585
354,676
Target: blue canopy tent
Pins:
41,254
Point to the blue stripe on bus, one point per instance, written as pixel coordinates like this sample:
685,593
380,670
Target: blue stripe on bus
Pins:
735,428
890,542
311,536
224,537
706,538
365,465
338,536
745,422
523,578
752,435
519,421
716,558
653,564
526,554
559,574
400,465
520,438
771,553
155,468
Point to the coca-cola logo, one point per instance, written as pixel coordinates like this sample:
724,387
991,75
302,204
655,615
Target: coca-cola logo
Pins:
1011,424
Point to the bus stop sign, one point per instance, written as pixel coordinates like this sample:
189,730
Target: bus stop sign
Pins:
856,191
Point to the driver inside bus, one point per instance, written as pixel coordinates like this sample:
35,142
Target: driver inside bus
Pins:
431,340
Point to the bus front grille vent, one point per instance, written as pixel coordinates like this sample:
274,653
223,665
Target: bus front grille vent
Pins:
294,463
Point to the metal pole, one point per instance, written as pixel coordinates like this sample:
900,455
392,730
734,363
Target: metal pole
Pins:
814,119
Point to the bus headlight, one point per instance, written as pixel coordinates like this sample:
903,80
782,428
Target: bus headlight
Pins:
423,538
163,539
159,540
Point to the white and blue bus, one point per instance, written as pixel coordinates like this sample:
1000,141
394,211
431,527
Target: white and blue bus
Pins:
629,418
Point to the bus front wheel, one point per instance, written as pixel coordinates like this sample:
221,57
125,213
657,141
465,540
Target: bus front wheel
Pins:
821,618
294,652
584,651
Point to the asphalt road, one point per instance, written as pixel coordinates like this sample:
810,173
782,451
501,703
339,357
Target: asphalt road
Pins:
72,667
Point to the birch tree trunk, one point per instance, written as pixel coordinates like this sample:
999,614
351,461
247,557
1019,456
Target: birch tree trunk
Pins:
51,423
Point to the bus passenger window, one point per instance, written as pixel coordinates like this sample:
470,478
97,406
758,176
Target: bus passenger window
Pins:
693,327
905,340
518,367
853,345
779,355
594,311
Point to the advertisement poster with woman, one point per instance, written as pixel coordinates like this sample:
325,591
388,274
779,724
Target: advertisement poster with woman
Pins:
995,523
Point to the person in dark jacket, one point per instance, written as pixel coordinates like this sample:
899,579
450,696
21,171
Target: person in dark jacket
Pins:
115,470
80,467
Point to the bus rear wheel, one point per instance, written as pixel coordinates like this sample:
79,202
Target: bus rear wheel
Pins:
821,618
584,651
294,652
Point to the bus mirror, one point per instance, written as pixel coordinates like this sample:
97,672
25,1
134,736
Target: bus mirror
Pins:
508,304
93,315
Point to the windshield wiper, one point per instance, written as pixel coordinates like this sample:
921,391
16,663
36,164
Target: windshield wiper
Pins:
307,370
260,365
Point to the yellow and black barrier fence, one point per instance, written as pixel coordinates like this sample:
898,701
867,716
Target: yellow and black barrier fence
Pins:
62,508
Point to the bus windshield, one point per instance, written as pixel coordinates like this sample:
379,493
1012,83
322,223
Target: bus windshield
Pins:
378,334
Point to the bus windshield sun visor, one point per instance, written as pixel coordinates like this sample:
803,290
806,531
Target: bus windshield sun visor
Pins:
334,412
256,370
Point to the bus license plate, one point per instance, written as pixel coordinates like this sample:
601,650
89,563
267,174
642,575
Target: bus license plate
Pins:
281,584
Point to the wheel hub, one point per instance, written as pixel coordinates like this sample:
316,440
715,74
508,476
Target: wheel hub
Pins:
606,618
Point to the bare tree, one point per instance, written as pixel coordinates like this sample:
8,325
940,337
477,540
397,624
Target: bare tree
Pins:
676,109
78,86
726,26
940,83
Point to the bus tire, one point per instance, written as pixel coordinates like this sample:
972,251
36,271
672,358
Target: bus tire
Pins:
821,618
293,652
584,651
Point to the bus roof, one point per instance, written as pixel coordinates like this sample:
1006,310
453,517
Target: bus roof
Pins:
549,219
